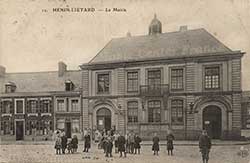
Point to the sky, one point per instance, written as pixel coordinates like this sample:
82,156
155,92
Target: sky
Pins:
34,38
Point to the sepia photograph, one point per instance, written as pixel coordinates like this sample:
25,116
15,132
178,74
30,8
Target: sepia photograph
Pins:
124,81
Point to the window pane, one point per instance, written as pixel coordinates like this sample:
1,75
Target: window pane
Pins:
177,78
132,81
19,106
212,77
177,111
75,125
103,83
132,111
154,77
75,105
154,111
61,105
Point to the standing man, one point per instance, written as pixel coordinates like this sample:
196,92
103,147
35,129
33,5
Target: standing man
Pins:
205,146
156,146
87,141
137,144
170,143
64,142
121,141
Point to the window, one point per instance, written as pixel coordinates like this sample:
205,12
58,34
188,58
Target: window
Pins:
19,106
10,87
177,78
132,81
132,112
61,105
75,105
33,106
69,86
45,106
7,127
154,77
31,127
154,111
7,107
103,83
75,125
212,77
177,111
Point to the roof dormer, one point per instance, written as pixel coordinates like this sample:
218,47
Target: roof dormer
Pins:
69,85
10,87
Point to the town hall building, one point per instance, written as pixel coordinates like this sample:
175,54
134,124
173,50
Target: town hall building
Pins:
184,81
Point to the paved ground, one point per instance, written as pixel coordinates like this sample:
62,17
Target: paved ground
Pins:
31,153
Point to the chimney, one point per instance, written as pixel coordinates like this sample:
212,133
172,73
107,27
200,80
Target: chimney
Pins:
2,71
128,34
183,28
62,68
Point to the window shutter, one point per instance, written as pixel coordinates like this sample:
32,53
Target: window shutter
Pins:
50,106
1,106
28,106
11,107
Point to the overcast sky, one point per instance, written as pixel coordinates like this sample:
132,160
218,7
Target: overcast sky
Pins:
33,40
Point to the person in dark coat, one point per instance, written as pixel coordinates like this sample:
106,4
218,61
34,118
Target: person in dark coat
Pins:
64,142
121,141
87,141
205,146
74,143
156,146
70,147
170,143
137,144
109,145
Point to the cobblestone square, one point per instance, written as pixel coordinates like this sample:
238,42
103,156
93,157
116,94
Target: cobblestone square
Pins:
41,153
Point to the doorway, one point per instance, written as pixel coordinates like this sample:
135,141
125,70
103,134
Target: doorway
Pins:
19,130
212,121
68,129
103,119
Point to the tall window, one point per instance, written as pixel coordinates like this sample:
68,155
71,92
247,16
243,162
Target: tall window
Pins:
212,77
46,105
33,106
154,111
75,105
177,78
7,107
60,124
132,112
103,83
132,81
61,105
177,111
154,77
20,106
7,127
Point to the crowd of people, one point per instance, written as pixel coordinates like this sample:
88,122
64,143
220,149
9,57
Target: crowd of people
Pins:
62,143
129,143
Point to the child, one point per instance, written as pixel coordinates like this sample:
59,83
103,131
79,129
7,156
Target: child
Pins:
58,144
74,143
70,146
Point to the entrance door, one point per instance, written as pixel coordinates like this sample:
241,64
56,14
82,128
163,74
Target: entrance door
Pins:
103,119
19,130
212,121
68,129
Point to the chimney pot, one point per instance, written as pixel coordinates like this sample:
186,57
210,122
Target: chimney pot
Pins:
62,68
2,71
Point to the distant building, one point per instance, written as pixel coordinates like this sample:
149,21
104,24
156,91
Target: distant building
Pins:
185,81
246,112
35,104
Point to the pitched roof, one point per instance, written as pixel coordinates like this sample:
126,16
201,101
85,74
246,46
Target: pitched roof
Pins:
173,44
40,81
